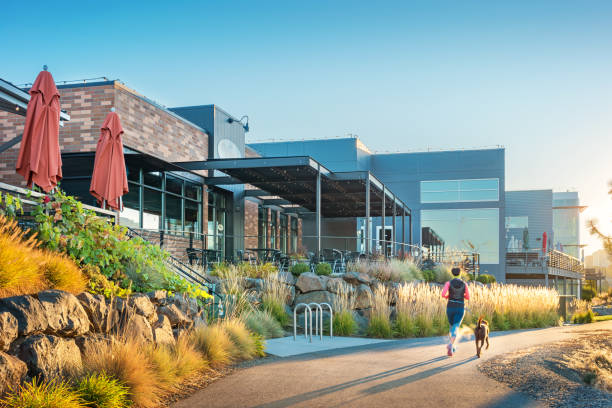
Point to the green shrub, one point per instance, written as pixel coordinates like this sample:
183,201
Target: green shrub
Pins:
380,327
428,275
52,394
260,345
299,268
323,269
344,323
264,324
486,278
584,317
101,391
588,293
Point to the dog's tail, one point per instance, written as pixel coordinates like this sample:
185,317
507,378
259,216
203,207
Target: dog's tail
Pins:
480,321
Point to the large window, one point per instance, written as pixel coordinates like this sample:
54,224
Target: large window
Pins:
262,227
467,230
294,234
273,228
283,232
446,191
216,221
159,200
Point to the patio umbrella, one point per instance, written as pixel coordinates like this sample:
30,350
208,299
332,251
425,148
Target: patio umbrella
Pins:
109,179
39,160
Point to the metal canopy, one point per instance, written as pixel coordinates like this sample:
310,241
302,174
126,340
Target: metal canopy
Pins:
294,179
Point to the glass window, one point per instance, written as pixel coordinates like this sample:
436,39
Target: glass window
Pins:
294,234
130,216
133,173
444,191
466,230
283,232
273,228
153,178
192,190
174,184
192,216
262,227
152,210
517,222
174,220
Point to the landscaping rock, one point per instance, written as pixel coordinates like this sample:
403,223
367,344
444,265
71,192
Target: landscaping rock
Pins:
337,275
8,330
287,277
97,310
290,295
356,278
187,305
320,296
143,306
12,372
324,280
363,298
29,312
157,296
162,331
49,356
65,315
334,285
89,344
309,282
176,316
138,328
362,323
254,284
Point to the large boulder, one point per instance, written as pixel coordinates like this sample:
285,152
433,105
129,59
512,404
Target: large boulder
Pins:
254,284
29,312
143,306
185,304
286,277
324,279
158,296
176,316
49,356
9,330
99,313
320,296
65,315
309,282
89,344
162,331
357,278
334,285
12,372
290,295
138,328
363,297
362,323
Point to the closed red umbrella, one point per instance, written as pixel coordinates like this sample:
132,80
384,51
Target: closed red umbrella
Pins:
39,160
544,242
109,179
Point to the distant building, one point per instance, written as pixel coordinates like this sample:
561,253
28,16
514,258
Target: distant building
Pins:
566,222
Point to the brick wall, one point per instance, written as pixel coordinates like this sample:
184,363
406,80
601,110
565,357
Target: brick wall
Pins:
147,127
250,224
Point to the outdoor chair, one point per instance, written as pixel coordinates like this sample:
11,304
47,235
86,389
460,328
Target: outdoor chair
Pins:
193,256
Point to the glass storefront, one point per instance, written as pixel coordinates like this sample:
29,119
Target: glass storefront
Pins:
447,191
217,211
162,200
294,235
467,230
273,228
262,227
283,232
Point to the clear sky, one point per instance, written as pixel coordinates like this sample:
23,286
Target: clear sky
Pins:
535,77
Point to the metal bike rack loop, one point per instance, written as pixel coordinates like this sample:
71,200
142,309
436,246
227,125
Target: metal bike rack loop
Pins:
331,319
307,317
318,320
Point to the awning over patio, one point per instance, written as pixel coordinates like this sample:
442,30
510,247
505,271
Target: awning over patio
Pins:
304,182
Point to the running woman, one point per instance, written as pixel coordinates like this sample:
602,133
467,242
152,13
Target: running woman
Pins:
456,291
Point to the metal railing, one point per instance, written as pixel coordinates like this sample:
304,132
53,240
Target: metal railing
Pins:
536,259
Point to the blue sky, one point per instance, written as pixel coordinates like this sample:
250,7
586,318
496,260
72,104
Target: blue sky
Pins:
535,77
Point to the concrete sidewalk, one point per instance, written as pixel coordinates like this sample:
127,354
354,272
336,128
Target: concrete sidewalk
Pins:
286,346
401,373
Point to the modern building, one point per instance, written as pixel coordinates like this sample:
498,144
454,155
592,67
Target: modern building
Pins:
456,196
195,183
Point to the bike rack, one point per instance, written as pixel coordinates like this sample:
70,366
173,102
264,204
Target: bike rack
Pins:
307,316
319,327
331,319
318,320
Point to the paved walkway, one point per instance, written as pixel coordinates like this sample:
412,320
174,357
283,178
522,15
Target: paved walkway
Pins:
286,346
405,373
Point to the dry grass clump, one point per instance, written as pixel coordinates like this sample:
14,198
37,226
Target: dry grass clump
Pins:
394,270
594,364
421,311
214,343
26,269
127,360
245,347
274,298
380,323
263,323
344,303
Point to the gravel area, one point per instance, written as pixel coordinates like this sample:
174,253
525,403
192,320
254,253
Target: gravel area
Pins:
542,372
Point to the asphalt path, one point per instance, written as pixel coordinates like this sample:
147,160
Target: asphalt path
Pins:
404,373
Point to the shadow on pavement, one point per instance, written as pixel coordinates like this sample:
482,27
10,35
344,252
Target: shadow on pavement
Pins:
286,402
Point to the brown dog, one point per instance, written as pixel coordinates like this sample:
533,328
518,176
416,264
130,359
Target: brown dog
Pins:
481,332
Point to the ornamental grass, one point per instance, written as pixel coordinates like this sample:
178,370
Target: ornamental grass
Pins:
344,303
274,298
380,322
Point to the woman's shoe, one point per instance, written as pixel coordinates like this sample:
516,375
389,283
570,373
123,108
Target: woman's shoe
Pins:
449,350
